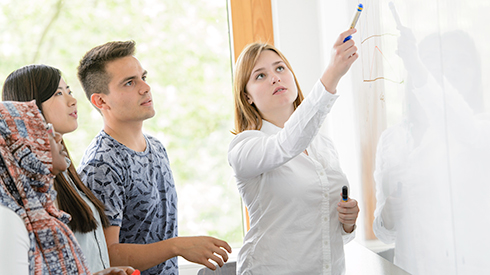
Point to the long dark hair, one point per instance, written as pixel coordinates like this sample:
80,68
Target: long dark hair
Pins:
40,82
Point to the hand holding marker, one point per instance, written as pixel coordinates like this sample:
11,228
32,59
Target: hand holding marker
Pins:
354,21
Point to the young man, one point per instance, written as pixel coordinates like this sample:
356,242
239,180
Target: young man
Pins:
129,171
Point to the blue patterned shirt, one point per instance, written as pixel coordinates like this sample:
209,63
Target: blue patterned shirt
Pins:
137,189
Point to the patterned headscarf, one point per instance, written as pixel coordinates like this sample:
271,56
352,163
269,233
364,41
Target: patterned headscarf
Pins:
26,188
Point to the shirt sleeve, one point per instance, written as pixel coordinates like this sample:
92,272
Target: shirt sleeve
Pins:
348,237
107,184
14,236
252,153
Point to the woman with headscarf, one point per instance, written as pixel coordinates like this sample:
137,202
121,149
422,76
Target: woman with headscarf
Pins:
31,155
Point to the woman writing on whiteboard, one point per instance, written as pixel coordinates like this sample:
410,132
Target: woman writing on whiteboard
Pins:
287,173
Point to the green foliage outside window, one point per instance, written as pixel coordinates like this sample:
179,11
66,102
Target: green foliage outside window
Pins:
184,46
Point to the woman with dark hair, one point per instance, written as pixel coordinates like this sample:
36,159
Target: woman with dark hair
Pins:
58,106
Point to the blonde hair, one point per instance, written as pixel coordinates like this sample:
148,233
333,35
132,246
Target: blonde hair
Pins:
247,117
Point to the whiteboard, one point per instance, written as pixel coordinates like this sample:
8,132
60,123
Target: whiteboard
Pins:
432,172
423,75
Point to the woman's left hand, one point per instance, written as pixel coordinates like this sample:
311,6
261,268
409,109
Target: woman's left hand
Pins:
348,212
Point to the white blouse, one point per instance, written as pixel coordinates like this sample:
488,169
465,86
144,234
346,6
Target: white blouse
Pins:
14,243
291,197
92,243
14,236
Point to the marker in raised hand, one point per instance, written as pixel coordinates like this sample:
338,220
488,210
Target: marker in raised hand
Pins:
354,21
345,193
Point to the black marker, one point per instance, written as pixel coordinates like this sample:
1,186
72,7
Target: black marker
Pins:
345,193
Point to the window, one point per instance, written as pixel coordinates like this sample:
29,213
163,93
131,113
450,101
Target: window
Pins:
184,45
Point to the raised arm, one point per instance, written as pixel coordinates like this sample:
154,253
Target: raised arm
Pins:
252,153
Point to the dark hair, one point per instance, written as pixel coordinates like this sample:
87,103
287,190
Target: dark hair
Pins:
40,82
91,70
30,82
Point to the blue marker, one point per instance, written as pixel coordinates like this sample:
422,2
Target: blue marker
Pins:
354,21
